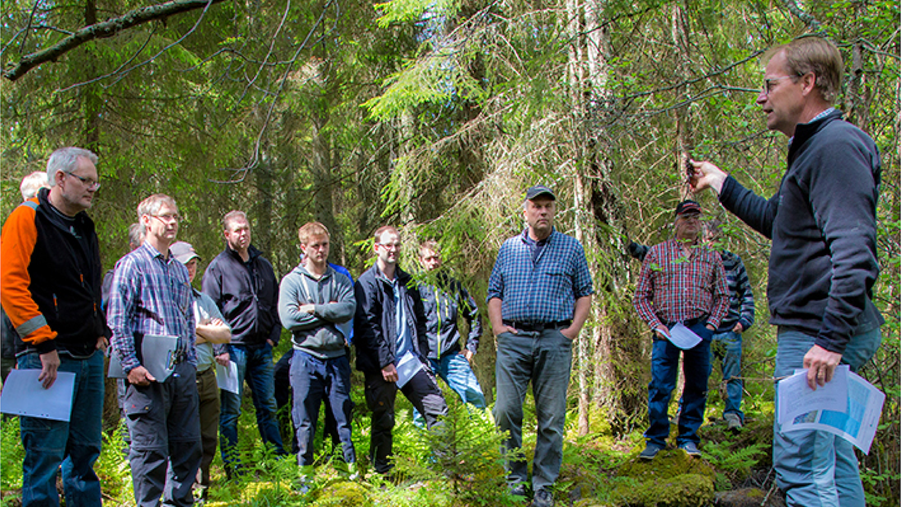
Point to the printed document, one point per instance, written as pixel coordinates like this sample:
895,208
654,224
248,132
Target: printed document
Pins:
856,422
227,377
683,337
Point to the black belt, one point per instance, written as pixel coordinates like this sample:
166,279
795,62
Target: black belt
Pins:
538,326
690,322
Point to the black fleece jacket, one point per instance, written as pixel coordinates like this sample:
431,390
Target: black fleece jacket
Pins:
822,222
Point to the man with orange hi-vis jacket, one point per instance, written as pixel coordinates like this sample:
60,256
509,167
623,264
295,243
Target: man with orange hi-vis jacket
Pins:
50,289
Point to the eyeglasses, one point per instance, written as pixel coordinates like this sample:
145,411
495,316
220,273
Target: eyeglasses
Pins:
768,84
91,184
168,218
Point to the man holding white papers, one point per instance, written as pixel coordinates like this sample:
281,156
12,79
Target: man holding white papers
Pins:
151,299
390,324
316,304
211,335
823,262
50,290
682,282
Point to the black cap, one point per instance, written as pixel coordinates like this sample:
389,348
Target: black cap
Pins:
687,207
538,190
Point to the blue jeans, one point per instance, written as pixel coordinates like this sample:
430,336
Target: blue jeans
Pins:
544,359
75,444
456,371
254,365
816,468
313,381
696,370
727,347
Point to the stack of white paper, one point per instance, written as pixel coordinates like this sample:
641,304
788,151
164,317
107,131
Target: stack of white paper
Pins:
848,406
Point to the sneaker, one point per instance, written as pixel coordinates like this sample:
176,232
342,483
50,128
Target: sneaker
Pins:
733,422
543,498
650,452
691,448
520,490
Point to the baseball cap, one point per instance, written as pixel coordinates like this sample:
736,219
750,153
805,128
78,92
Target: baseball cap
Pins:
537,190
687,207
183,252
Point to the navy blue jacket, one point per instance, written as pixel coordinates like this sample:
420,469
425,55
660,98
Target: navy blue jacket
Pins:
375,327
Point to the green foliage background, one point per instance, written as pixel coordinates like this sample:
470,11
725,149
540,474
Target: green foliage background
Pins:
435,116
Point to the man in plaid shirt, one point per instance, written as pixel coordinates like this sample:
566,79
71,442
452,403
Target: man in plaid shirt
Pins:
539,296
681,281
152,295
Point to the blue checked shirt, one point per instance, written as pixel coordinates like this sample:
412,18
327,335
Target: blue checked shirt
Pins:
542,291
150,295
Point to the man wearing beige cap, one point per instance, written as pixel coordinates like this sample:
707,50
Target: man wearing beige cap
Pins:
211,335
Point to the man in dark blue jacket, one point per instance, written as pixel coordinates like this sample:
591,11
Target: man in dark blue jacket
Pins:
389,334
823,265
244,287
443,299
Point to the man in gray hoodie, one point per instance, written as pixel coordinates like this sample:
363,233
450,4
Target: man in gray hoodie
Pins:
317,305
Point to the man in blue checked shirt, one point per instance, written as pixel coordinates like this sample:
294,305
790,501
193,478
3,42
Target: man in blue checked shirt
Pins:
539,296
152,295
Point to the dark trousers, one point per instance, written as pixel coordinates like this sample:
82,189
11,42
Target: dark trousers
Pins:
208,394
696,370
421,390
164,424
315,380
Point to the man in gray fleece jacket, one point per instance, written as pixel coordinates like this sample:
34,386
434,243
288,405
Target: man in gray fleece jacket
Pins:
317,305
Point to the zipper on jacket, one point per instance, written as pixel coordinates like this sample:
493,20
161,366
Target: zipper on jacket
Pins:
55,306
438,308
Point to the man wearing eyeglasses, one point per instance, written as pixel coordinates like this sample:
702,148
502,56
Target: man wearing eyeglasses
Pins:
243,285
390,335
822,222
50,289
152,298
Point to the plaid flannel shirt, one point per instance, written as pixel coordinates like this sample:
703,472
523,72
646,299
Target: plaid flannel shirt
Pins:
542,291
673,288
150,295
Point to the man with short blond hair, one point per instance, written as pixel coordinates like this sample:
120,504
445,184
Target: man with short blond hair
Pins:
315,304
243,285
151,296
389,326
823,262
50,249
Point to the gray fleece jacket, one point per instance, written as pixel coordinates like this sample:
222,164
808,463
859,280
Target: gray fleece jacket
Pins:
323,333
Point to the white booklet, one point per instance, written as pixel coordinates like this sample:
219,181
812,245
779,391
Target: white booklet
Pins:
407,367
682,337
24,394
227,377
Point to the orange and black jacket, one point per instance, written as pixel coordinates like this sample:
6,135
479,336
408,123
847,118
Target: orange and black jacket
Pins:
50,279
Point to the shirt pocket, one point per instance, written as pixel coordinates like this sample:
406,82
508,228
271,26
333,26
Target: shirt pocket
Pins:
557,281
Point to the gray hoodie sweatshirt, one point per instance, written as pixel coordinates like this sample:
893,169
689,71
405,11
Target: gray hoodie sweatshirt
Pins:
323,333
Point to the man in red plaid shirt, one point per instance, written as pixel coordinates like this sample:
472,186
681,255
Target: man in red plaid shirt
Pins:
681,282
